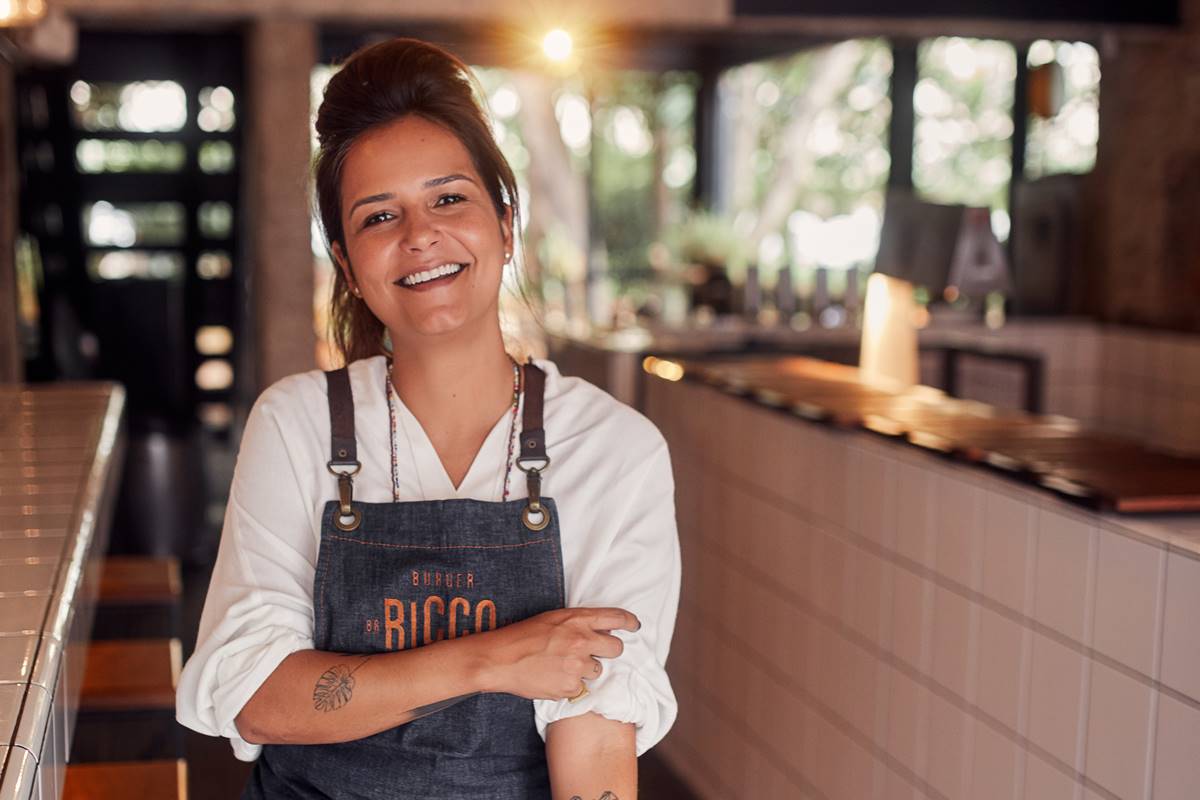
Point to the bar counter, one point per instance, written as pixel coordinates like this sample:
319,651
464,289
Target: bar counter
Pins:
867,612
61,448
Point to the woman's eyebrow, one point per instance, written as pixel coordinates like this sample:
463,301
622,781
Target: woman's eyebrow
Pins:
371,198
447,179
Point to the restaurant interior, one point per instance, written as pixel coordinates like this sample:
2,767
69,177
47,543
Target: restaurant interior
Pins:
911,289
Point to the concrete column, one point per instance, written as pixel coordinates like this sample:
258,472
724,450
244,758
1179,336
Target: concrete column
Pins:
12,366
280,55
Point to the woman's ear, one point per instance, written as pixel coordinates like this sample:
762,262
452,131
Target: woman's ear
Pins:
506,231
343,263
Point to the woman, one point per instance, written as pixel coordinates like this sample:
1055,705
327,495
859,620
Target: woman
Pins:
395,610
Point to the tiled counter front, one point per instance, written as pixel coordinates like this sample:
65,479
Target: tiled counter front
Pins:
60,456
863,620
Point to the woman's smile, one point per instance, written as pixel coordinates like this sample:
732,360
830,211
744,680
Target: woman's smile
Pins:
427,279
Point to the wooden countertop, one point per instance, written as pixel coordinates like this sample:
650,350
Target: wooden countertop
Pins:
1103,471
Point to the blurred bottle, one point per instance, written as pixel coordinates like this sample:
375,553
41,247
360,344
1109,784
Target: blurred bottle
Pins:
751,294
785,293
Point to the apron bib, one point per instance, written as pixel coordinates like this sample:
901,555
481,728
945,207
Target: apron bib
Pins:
395,576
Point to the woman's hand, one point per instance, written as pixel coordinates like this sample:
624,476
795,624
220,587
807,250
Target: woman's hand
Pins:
545,656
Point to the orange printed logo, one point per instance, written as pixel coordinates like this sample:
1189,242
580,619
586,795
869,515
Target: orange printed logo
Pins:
448,580
412,624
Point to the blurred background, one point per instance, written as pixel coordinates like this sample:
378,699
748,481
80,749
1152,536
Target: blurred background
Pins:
701,177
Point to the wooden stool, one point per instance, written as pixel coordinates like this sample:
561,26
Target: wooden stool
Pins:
146,780
127,702
140,579
131,675
139,597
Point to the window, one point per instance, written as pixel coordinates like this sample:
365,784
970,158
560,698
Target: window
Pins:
962,145
807,158
1064,108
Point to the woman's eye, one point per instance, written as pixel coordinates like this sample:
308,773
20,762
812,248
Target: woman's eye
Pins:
449,199
377,217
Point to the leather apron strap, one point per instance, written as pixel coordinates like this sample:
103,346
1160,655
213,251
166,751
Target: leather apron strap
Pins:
344,463
343,456
533,459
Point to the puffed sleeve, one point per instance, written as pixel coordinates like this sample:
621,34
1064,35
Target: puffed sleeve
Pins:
639,570
259,606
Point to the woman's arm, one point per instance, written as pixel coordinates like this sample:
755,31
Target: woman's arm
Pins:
630,560
591,758
317,697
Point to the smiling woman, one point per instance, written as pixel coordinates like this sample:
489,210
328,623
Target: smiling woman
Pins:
396,613
419,225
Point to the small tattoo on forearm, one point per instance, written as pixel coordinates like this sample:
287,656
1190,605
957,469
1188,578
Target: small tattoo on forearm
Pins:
335,687
606,796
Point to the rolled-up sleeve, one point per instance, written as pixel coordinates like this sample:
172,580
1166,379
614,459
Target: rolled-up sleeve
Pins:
259,604
639,570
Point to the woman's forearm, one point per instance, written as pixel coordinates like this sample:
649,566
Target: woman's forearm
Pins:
592,758
318,697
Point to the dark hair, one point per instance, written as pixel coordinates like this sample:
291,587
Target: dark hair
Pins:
379,84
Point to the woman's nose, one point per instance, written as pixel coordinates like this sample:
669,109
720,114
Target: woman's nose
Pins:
421,233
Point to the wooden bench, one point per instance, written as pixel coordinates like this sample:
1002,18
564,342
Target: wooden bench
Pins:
139,596
145,780
127,702
131,675
143,580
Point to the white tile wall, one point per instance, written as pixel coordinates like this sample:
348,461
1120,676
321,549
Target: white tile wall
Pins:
1044,781
1009,547
1176,745
941,634
1056,700
960,511
1003,644
1181,630
1118,732
994,766
1064,550
952,639
1128,588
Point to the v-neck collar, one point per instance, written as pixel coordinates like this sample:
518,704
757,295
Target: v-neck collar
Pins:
485,475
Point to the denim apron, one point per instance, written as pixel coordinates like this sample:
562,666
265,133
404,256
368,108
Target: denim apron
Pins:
394,576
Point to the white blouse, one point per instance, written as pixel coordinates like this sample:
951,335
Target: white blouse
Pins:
610,476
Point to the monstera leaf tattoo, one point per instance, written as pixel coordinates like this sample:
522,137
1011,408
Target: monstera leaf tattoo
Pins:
335,687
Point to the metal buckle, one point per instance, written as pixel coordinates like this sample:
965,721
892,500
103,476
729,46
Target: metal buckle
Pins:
346,510
521,466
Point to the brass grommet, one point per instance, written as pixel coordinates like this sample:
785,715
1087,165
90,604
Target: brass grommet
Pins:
529,523
355,518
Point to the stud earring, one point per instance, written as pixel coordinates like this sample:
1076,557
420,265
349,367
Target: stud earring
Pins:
357,292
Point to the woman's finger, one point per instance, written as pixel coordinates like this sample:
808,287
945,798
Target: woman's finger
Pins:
605,645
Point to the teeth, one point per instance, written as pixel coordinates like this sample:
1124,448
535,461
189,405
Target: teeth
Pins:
431,274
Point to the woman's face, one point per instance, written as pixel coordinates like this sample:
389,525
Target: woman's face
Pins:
413,208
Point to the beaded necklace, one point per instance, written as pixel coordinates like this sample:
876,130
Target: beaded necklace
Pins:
390,390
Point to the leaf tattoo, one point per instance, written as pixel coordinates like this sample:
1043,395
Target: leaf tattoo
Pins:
608,795
335,687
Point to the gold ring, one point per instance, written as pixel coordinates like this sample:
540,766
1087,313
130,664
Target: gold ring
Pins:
583,690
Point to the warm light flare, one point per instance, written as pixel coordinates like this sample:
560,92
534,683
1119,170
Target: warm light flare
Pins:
888,352
21,12
557,45
667,370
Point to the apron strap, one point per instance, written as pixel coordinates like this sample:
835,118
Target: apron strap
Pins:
343,456
533,459
343,450
533,436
